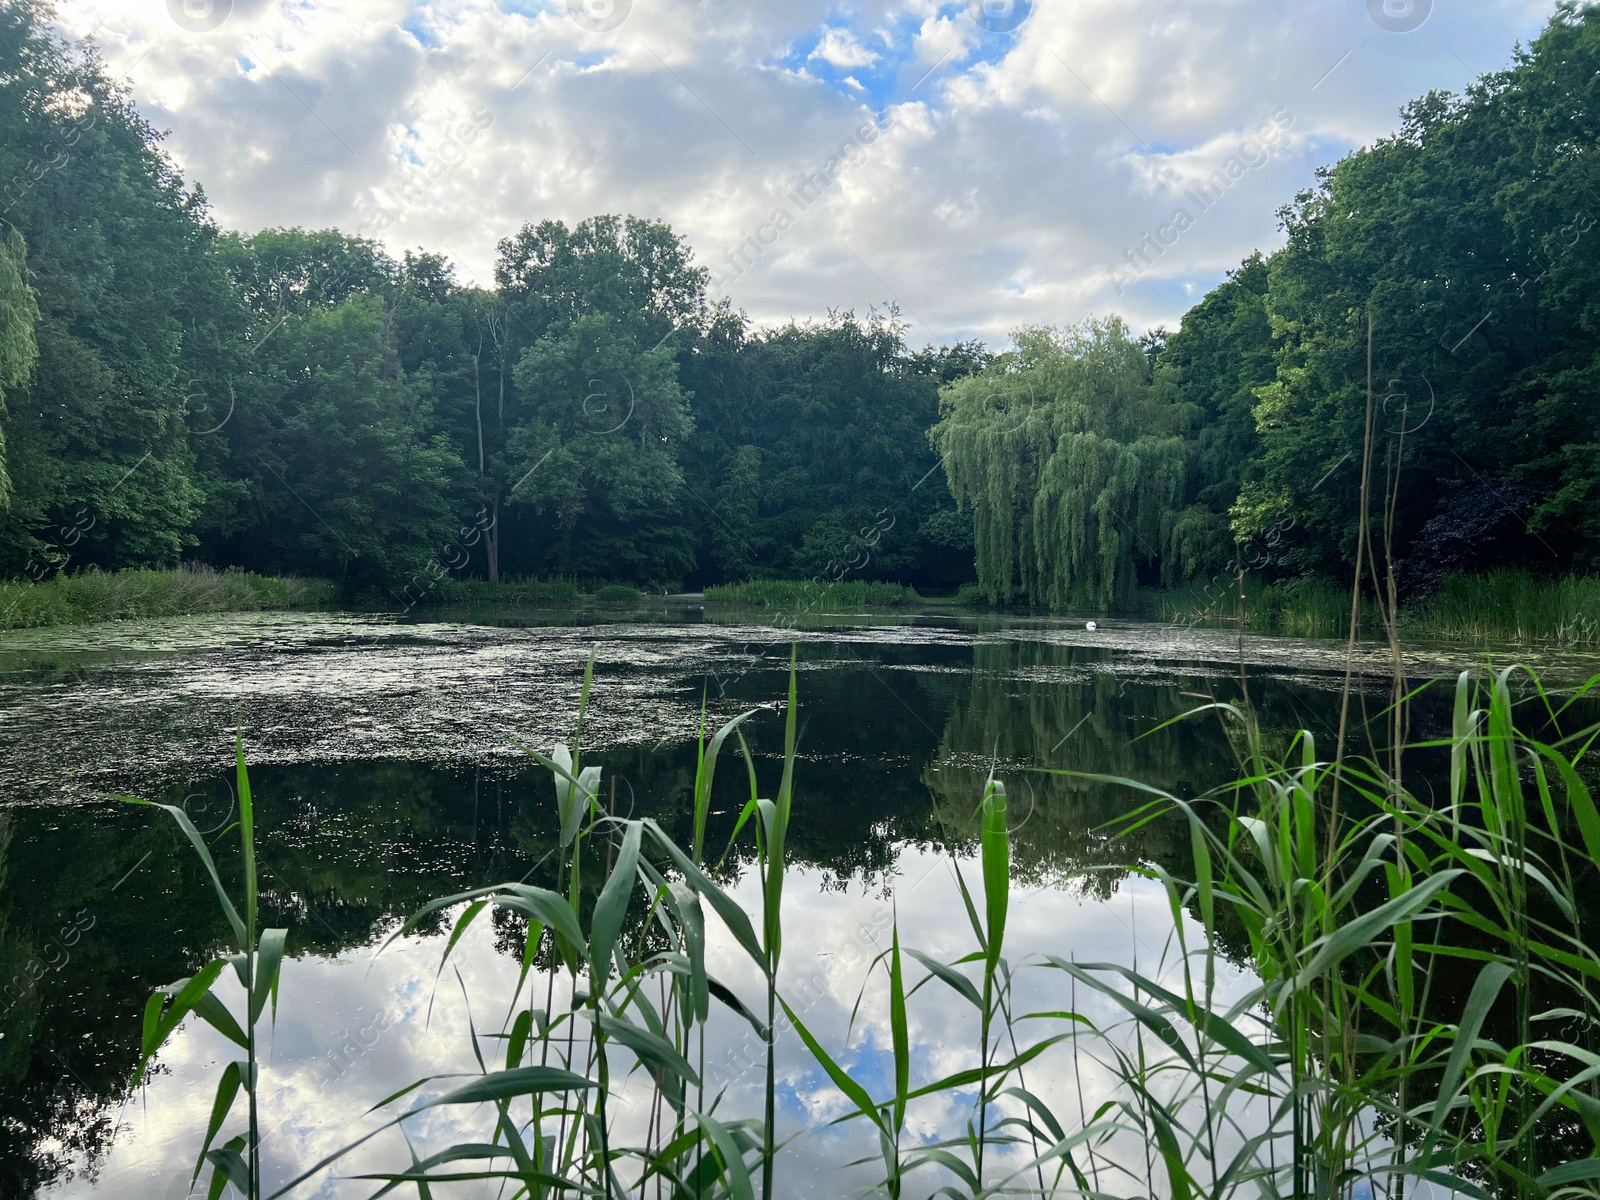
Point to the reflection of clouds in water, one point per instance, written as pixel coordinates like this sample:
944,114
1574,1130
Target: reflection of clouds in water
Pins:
308,1114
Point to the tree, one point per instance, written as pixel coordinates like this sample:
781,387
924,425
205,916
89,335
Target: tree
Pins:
97,443
638,272
811,448
597,455
1469,240
19,312
1070,465
347,478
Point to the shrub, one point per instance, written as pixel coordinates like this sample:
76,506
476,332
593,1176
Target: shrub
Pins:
617,593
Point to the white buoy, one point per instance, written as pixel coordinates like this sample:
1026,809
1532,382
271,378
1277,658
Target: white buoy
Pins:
1091,626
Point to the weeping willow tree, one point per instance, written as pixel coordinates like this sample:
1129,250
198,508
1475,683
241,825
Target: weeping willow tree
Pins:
1072,467
19,312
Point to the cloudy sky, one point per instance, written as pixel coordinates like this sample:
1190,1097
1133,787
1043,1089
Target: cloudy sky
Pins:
984,165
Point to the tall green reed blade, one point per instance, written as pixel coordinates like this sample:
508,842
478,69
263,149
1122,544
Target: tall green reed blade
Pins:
705,772
995,856
257,962
995,845
774,865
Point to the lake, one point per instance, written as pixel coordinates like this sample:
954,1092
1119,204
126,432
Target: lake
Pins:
388,769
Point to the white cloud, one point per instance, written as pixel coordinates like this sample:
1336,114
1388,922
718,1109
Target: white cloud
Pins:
839,48
1020,169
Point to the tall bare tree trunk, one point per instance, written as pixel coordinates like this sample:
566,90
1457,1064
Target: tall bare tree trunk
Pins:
491,538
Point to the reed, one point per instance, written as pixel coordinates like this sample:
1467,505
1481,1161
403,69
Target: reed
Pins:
93,595
1497,608
256,961
1513,607
1305,607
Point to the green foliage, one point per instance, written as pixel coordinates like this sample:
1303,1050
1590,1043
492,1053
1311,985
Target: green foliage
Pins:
810,446
1213,366
617,593
344,474
1300,607
605,416
816,594
1072,466
19,312
117,255
587,442
970,594
1498,608
122,595
1513,606
297,401
1468,238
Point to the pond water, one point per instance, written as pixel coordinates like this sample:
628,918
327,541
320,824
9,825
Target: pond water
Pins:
387,769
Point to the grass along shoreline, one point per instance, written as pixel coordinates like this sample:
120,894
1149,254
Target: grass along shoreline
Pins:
92,595
1502,607
1499,607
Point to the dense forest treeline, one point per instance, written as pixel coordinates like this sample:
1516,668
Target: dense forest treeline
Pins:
301,402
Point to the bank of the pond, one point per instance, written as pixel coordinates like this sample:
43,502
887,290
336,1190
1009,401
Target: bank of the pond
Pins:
559,592
1503,607
93,596
89,596
793,593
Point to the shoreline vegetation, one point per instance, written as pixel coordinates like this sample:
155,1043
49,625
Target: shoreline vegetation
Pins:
92,596
798,594
1501,607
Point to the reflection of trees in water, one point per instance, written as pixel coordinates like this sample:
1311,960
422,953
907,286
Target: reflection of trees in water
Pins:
1037,705
1034,705
70,996
344,852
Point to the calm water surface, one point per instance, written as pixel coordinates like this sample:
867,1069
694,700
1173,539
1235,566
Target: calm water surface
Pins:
387,771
